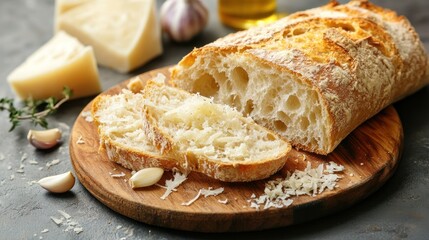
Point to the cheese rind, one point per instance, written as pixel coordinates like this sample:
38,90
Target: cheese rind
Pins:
62,61
124,34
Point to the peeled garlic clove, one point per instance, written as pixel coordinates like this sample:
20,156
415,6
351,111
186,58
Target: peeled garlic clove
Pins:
146,177
183,19
44,139
59,183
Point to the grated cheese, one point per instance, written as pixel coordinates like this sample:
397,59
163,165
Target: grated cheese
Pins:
23,157
57,221
205,193
311,181
52,163
333,167
87,116
225,201
66,215
66,220
33,162
119,175
171,184
80,140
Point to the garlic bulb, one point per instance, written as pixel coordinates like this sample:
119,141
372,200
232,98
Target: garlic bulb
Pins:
183,19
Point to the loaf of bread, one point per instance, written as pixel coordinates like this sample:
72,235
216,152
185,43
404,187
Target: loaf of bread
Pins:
169,128
313,76
210,138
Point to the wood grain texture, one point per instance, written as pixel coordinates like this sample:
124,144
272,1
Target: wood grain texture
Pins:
370,155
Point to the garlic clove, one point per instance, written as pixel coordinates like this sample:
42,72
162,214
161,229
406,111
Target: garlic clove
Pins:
183,19
44,139
58,183
146,177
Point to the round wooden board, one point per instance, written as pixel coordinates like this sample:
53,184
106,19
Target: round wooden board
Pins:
370,156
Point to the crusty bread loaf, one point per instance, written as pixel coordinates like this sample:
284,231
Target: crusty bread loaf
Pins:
210,138
120,129
313,76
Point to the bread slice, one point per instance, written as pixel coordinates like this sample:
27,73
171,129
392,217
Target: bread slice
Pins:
313,76
120,129
210,138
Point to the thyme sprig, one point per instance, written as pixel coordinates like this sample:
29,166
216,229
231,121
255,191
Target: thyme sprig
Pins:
34,110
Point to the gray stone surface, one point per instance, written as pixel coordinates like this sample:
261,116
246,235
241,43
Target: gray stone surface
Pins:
400,209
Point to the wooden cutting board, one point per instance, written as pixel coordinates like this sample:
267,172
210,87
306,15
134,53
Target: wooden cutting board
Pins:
370,156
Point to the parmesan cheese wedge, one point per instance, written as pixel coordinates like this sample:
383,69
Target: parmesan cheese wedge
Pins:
124,34
62,6
62,61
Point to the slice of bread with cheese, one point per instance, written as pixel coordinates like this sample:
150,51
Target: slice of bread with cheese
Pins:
169,128
120,129
313,76
210,138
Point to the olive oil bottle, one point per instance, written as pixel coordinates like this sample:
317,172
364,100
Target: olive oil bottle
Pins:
243,14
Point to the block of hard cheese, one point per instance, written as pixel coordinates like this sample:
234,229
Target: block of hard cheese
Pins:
62,6
62,61
124,34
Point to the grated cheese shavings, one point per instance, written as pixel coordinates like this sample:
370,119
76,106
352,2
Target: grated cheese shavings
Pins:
33,162
87,116
172,184
67,221
205,193
80,140
118,175
225,201
52,163
310,181
57,221
23,157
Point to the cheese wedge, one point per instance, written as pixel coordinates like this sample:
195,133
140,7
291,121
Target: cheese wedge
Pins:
125,34
62,61
62,6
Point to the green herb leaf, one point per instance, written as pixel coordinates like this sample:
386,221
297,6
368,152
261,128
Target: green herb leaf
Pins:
34,110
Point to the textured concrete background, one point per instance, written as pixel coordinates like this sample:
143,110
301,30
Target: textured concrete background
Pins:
400,209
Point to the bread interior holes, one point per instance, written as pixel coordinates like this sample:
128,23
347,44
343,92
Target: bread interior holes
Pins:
293,103
237,102
206,85
271,137
280,125
282,121
240,78
248,108
304,123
